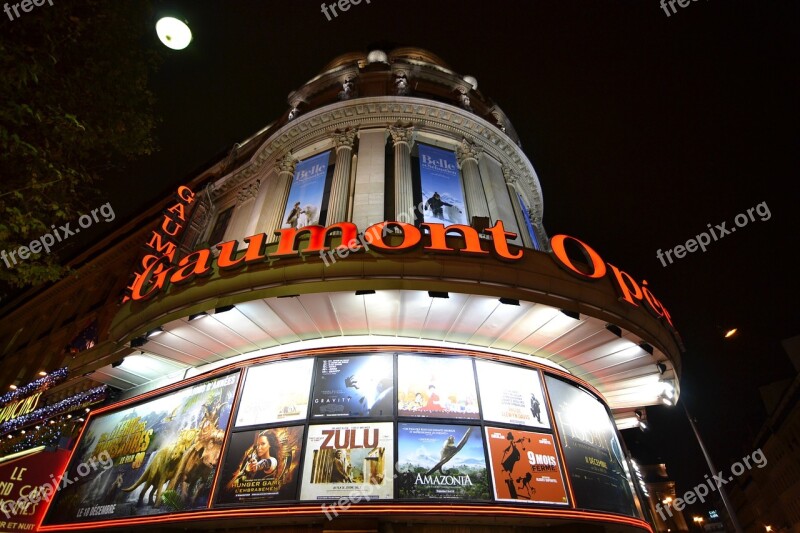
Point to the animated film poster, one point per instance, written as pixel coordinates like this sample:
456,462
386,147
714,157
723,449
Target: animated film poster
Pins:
511,395
275,392
352,386
592,451
261,466
441,387
525,467
347,460
441,462
163,456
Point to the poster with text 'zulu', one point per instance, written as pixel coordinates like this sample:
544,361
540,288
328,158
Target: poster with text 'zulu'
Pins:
261,466
441,462
165,452
441,387
353,386
525,467
342,460
305,195
442,193
511,395
592,452
275,392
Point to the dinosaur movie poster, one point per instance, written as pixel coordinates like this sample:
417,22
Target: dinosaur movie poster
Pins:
525,467
441,462
261,466
161,456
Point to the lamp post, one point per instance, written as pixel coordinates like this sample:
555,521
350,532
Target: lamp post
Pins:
725,501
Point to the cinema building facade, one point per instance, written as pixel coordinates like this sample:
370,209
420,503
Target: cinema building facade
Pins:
356,321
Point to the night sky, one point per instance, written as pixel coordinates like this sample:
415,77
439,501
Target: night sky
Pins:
642,128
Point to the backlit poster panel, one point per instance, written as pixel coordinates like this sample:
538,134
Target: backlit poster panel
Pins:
441,462
525,467
511,395
591,450
305,195
441,387
261,466
29,482
345,460
275,392
528,224
353,386
163,453
442,193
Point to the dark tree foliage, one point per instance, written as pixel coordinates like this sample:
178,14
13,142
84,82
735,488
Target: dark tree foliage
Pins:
74,106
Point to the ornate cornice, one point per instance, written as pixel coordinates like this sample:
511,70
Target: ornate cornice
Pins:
386,111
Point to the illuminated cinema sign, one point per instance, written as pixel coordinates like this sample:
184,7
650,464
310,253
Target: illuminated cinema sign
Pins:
19,407
628,289
162,241
199,263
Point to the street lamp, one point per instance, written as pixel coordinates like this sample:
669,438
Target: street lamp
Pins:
725,501
173,33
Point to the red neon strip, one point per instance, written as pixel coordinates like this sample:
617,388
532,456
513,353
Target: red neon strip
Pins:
367,509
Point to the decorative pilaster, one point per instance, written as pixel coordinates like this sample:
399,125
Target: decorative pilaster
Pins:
285,166
403,139
340,187
468,154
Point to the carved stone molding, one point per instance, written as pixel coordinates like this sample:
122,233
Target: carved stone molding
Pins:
468,150
248,191
509,176
402,134
381,111
286,163
344,138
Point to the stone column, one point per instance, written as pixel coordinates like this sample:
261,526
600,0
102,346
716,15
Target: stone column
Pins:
285,166
403,139
340,187
512,182
468,154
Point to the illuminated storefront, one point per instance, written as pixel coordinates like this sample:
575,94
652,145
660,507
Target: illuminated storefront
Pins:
357,320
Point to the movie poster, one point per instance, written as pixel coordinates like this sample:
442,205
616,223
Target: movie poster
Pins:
441,462
275,392
442,387
525,467
442,193
305,195
261,466
348,460
28,482
591,450
162,456
353,386
511,395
